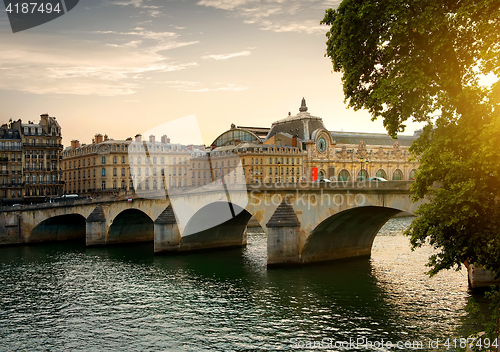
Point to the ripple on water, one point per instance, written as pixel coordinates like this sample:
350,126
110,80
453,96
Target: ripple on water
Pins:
62,297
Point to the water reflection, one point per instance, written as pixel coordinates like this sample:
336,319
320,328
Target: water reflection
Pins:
68,297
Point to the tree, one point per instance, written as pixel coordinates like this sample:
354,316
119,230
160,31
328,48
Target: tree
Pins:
422,60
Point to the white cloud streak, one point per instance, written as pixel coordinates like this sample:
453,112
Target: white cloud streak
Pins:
198,87
226,56
89,67
301,16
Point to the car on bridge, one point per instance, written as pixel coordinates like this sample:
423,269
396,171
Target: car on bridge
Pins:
377,179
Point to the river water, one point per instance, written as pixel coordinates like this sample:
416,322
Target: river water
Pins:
65,297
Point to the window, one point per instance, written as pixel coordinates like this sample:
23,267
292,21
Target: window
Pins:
362,175
103,172
412,174
103,185
114,160
103,160
123,160
381,173
114,171
123,171
397,175
344,175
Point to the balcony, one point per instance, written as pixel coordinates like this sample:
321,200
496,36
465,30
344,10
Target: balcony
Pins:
42,145
3,147
11,185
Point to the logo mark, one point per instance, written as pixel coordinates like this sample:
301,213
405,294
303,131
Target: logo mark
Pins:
192,177
26,14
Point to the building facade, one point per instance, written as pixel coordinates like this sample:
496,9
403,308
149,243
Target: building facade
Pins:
300,148
108,166
42,146
295,149
11,163
30,160
96,168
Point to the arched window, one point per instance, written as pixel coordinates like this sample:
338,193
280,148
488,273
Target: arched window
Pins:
344,175
412,174
362,175
381,173
397,175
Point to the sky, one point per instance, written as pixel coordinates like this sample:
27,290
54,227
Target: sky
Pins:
123,67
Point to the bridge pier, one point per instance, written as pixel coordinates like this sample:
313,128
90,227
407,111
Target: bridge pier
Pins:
283,245
167,235
95,227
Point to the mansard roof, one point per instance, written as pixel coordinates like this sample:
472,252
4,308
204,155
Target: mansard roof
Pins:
300,125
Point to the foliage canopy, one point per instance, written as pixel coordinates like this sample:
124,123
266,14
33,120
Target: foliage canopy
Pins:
423,61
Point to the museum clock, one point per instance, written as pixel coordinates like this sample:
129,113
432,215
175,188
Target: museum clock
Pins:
321,144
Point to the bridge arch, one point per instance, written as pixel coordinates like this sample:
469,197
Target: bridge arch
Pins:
218,224
59,228
349,233
131,225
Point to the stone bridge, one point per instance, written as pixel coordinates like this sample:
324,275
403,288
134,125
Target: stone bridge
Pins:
306,222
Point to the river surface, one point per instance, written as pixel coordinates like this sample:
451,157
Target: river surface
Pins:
65,297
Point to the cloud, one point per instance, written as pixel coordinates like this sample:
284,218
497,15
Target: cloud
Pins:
226,56
152,10
301,16
198,87
86,67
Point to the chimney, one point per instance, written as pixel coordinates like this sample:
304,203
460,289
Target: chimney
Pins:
294,141
105,137
190,147
75,144
129,139
98,138
44,122
202,147
138,138
165,139
151,139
